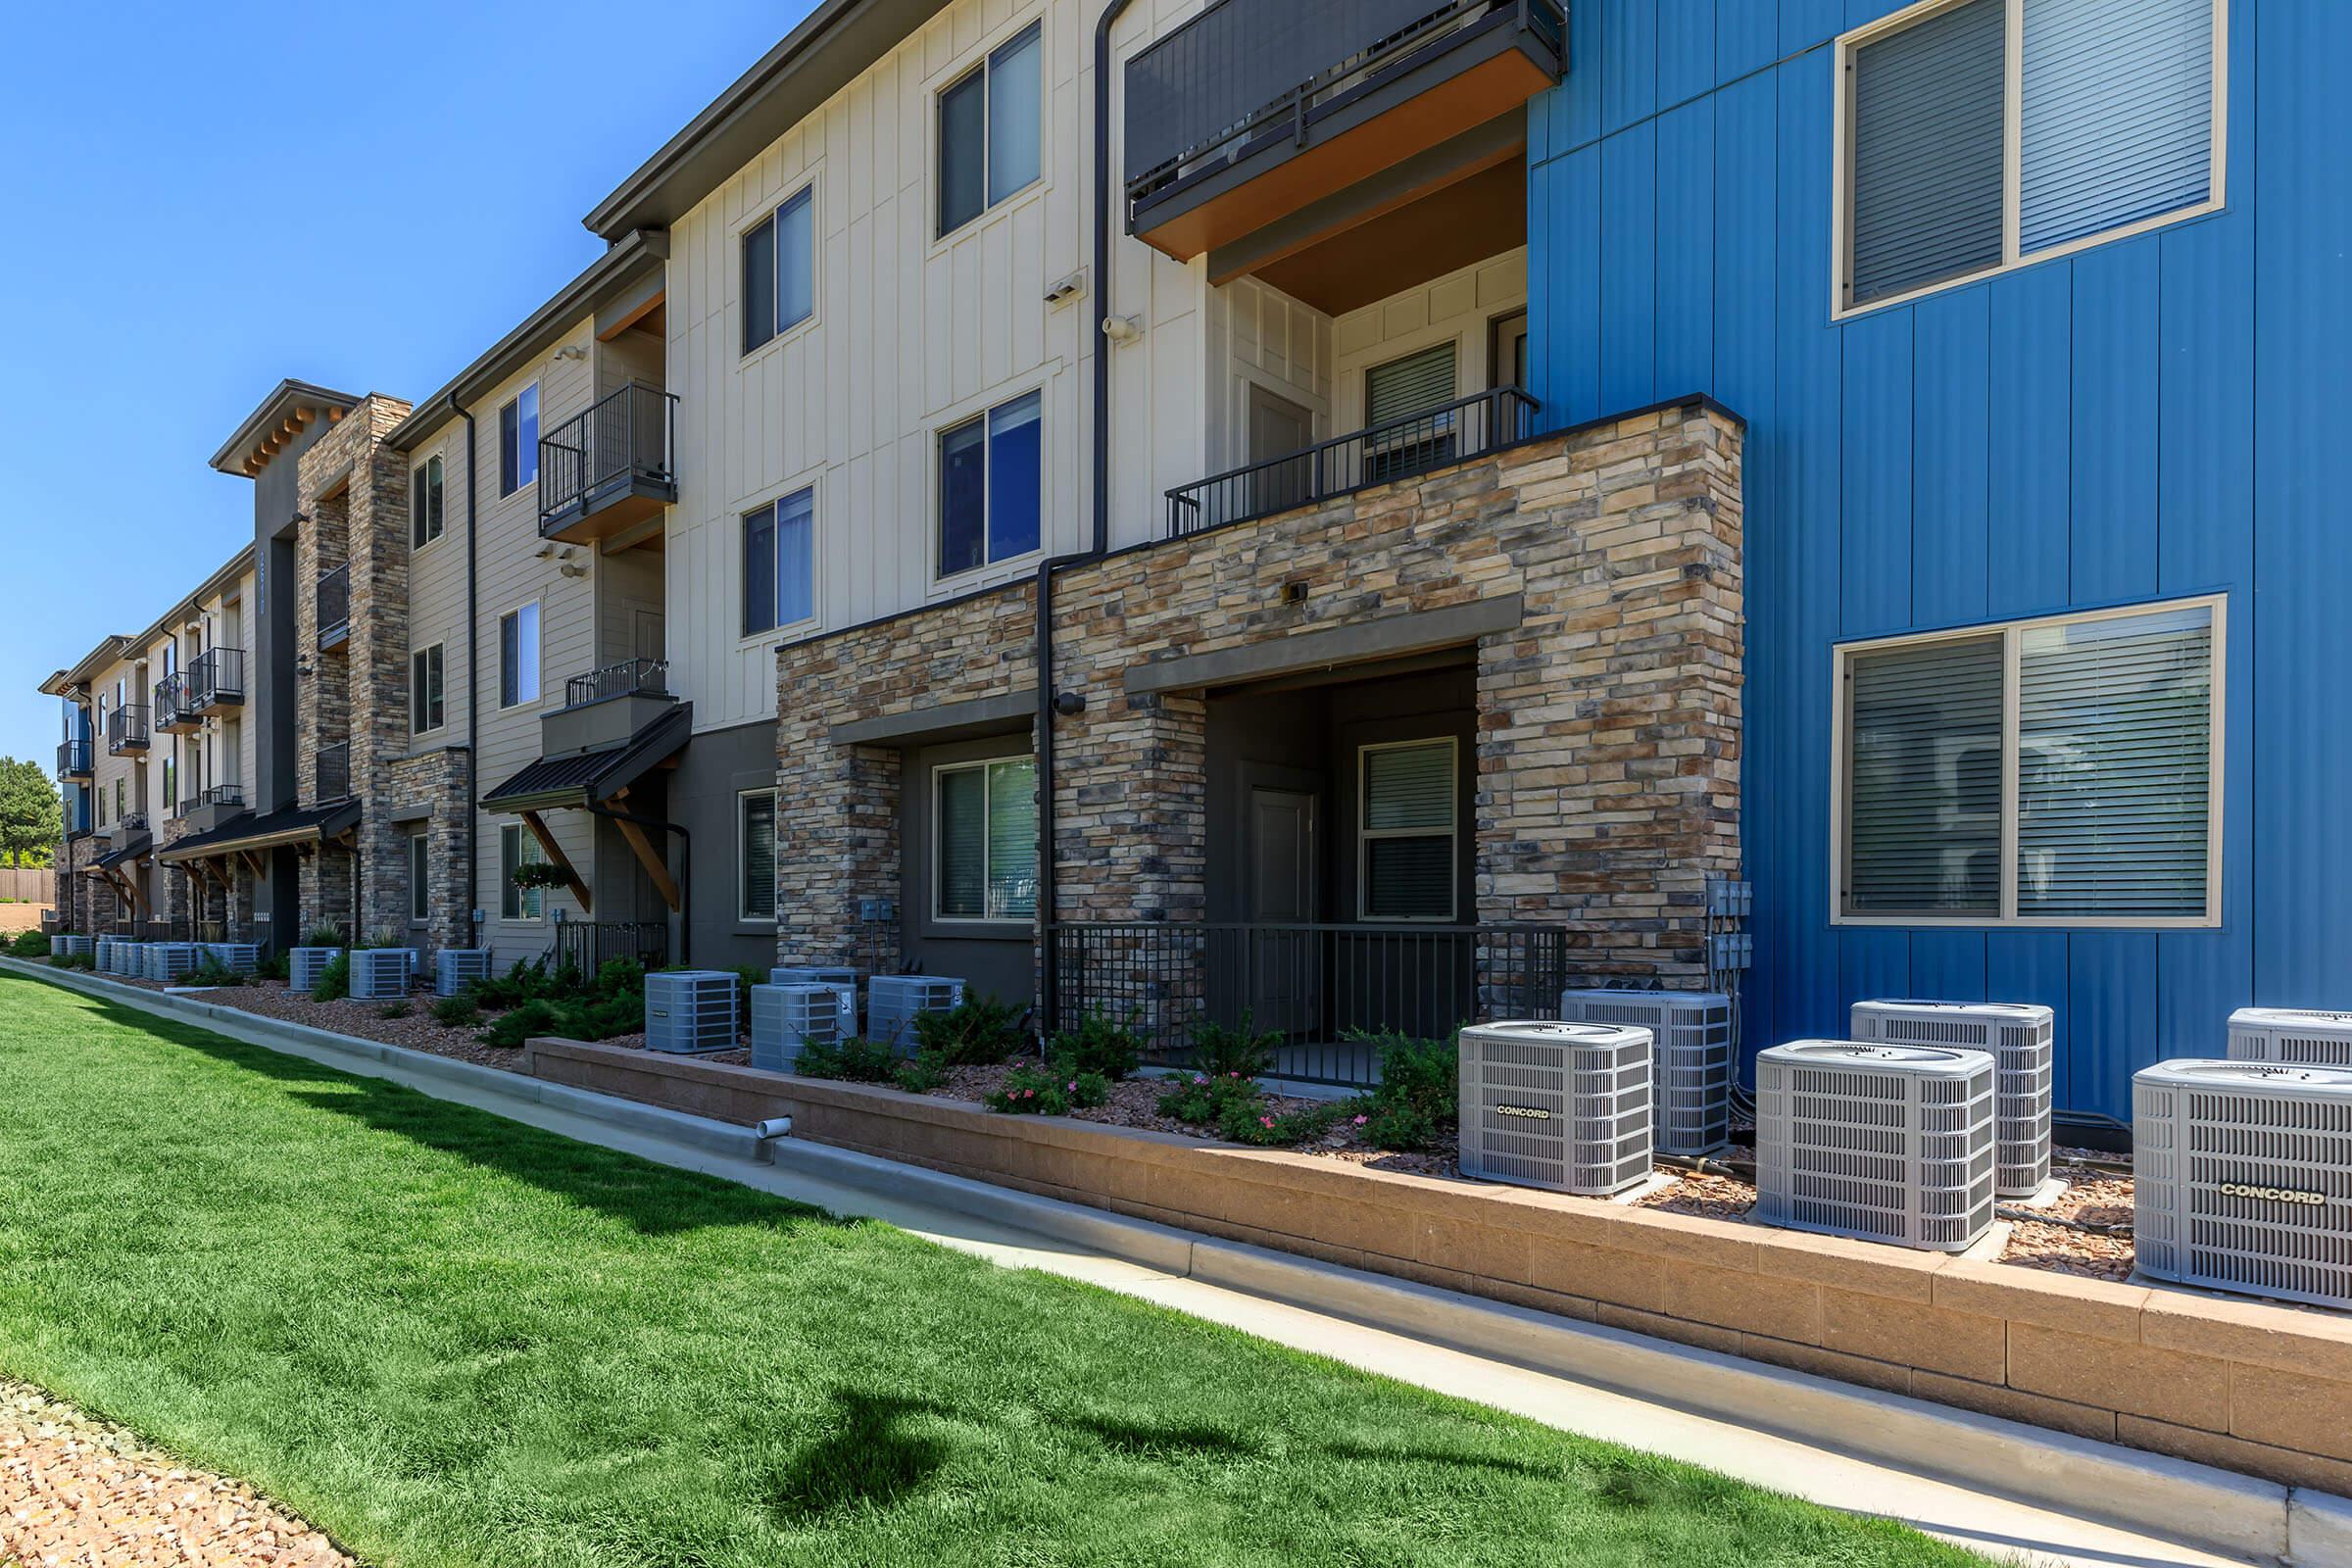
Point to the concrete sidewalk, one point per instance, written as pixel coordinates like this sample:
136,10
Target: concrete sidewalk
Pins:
1835,1443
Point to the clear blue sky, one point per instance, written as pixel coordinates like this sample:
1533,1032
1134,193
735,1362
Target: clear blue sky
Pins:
204,199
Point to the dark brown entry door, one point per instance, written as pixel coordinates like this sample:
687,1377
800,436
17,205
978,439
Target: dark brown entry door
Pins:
1284,981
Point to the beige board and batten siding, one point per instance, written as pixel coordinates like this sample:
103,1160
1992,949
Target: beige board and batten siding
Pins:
912,333
1460,308
510,572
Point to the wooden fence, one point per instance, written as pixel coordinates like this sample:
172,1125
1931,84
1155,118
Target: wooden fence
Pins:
28,885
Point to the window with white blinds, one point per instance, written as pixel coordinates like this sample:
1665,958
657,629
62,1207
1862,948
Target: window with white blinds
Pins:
1415,385
1986,133
985,830
2062,771
1407,860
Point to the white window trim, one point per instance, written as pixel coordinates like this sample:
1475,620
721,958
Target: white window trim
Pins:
2013,141
415,478
938,843
538,656
955,75
945,583
1364,835
790,630
2012,633
415,653
743,857
527,850
816,286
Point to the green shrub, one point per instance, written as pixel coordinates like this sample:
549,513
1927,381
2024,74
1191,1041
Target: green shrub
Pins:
1219,1052
977,1032
1054,1090
1258,1125
1417,1100
1098,1046
1203,1100
393,1009
29,945
521,1022
335,981
277,966
325,936
852,1061
617,976
926,1072
526,981
457,1012
75,960
212,972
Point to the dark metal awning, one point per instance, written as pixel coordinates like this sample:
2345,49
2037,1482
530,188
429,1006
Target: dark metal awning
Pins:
263,830
131,850
582,779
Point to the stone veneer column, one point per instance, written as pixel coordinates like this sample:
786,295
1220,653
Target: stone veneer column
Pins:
377,657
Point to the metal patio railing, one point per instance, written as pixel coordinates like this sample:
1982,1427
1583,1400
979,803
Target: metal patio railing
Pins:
589,944
1320,988
1401,449
334,607
216,679
649,677
628,437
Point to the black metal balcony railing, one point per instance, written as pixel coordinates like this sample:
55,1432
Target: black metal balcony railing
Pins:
333,773
73,759
132,823
1319,988
625,444
233,795
127,731
1243,69
216,679
334,607
589,944
631,677
1357,460
172,712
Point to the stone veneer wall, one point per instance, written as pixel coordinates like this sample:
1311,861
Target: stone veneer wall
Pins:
1608,719
358,692
436,783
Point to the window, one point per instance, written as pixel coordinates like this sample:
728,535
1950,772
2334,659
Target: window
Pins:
425,506
121,798
518,656
779,270
1402,400
2062,771
1406,831
170,785
1986,133
426,695
991,473
518,441
985,831
991,131
779,571
420,867
755,835
517,847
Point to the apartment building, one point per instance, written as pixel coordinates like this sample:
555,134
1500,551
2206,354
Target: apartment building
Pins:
156,748
1358,514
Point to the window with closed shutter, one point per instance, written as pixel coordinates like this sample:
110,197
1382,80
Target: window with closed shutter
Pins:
759,854
1407,864
1989,134
1403,404
2060,772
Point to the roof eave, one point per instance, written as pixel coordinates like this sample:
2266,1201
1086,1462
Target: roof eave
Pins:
287,394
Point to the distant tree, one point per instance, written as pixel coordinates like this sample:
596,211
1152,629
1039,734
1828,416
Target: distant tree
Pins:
31,818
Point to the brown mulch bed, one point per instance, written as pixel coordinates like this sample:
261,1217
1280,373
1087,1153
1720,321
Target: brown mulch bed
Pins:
2095,1195
79,1493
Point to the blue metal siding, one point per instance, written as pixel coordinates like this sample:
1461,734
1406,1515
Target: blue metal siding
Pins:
2144,419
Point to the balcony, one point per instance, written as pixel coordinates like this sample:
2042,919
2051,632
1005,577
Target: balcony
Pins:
1383,455
216,680
612,468
332,776
73,759
606,706
334,607
173,715
208,810
1264,112
126,732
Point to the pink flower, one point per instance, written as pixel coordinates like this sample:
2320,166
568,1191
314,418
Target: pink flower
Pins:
1073,1085
1360,1120
1266,1122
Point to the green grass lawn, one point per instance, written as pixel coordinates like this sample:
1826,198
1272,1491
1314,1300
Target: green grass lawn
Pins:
447,1338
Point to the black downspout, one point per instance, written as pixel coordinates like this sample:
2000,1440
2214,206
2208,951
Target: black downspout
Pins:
473,707
685,870
1049,965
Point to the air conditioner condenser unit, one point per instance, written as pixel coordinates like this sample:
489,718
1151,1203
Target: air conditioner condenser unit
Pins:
690,1011
2311,1037
1690,1067
787,1019
1881,1142
2242,1178
2022,1039
1564,1107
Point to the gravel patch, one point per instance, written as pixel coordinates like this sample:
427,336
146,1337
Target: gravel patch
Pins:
79,1493
415,1029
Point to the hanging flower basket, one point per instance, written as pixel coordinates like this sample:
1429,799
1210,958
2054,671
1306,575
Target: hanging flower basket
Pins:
540,874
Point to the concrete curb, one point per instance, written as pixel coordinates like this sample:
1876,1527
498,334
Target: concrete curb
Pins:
2198,1504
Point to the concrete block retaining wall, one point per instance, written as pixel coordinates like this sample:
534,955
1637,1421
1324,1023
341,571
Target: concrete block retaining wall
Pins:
2245,1385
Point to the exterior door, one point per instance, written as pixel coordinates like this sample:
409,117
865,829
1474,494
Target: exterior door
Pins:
650,636
1284,986
1280,433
